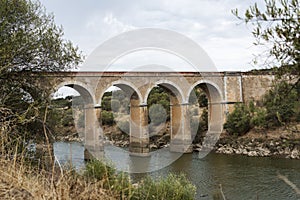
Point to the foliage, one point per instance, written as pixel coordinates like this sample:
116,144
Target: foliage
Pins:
199,125
258,119
280,104
106,103
172,187
98,170
29,42
115,105
198,96
157,114
238,121
277,27
107,118
116,101
204,120
159,96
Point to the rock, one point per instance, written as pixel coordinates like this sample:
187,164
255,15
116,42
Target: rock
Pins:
287,151
252,153
228,150
295,154
238,151
244,152
153,146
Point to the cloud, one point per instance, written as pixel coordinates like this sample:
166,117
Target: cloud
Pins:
208,22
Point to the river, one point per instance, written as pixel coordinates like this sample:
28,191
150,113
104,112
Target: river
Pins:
241,177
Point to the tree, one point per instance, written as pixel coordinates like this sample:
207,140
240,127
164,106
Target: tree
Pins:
277,27
29,42
280,107
238,121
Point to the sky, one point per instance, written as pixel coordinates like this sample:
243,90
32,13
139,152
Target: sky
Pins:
210,23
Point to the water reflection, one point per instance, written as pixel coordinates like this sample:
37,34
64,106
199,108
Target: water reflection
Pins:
136,164
241,177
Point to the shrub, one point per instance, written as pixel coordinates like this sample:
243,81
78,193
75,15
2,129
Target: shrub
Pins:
107,118
99,170
115,105
68,119
204,120
238,122
175,187
106,103
259,118
157,114
202,100
280,104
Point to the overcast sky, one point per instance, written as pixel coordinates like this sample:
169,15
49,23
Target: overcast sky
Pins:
210,23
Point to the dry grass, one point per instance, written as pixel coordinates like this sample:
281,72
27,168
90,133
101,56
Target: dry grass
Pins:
18,181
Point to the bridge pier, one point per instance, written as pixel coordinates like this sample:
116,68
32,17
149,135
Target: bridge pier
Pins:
139,133
181,138
93,146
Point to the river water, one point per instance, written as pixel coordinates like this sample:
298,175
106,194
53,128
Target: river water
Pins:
241,177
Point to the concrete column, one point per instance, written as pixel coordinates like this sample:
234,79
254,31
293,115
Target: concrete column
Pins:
175,117
215,120
93,134
139,133
180,127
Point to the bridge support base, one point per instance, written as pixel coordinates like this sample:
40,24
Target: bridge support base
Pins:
140,148
181,146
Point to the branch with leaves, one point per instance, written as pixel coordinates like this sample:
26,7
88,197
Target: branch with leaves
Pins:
277,27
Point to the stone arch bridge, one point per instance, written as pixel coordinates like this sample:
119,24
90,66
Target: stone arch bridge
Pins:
223,89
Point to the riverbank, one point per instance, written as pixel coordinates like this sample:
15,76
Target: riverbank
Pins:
283,142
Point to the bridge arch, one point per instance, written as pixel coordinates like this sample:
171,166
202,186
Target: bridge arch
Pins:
169,85
85,92
176,110
215,106
126,86
92,131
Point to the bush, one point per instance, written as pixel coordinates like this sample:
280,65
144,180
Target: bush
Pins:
157,114
204,120
238,122
68,119
280,104
99,170
106,103
259,118
115,105
107,118
117,182
175,187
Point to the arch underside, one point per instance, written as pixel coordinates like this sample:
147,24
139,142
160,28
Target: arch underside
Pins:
215,106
